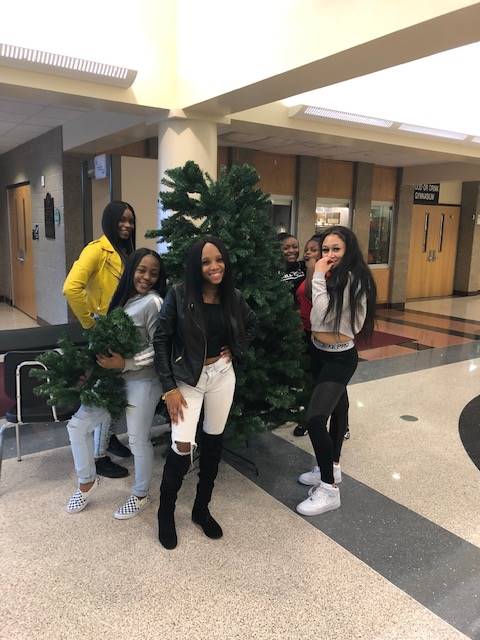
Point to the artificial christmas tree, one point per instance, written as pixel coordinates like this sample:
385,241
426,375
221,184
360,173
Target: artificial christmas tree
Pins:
235,210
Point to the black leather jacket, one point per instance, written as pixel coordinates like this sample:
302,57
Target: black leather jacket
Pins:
180,342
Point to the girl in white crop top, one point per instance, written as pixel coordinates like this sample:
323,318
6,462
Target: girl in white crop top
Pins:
343,305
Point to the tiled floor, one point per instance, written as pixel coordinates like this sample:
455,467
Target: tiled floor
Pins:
467,307
399,561
12,318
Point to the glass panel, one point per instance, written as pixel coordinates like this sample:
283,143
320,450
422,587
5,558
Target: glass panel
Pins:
331,212
380,228
281,217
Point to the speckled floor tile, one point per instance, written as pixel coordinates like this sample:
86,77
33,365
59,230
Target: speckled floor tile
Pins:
467,307
273,575
423,464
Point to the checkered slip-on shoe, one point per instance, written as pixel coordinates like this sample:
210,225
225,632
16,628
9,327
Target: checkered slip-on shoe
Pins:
79,500
131,508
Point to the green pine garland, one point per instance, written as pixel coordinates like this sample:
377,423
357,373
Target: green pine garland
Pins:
105,388
234,209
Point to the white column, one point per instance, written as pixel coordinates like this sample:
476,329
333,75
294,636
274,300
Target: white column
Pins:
182,139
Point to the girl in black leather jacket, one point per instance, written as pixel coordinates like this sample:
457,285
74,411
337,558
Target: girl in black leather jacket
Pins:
203,325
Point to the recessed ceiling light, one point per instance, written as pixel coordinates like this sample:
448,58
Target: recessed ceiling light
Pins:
439,133
69,66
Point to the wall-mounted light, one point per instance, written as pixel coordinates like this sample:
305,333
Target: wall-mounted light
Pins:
68,66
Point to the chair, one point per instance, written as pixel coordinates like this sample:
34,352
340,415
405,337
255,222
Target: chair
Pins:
26,407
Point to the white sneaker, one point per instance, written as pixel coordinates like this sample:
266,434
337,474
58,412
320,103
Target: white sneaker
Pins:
131,508
80,499
313,477
325,497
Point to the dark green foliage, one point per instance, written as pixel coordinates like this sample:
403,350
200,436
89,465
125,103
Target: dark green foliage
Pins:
235,210
101,387
115,332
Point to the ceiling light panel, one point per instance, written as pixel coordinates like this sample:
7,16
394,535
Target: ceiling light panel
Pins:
68,66
342,116
452,135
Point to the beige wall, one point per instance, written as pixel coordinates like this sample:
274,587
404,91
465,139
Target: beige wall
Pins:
187,52
140,189
140,35
100,199
450,193
293,33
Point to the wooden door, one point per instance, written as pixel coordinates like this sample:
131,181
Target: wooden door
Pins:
21,250
445,250
433,250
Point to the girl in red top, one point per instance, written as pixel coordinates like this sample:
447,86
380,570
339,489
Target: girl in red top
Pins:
312,253
303,295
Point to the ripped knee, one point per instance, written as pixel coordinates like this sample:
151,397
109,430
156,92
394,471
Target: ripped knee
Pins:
182,448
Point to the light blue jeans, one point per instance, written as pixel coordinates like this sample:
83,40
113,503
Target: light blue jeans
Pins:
142,397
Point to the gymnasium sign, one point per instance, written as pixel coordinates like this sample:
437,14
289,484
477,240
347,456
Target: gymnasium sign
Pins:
426,193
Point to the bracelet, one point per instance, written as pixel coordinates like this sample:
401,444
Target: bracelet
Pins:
165,395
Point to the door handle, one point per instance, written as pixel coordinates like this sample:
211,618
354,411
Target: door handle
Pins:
442,227
425,233
20,259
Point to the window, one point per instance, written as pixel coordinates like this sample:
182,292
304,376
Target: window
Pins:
280,213
331,211
380,231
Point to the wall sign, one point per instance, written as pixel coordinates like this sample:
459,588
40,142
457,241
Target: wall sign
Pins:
49,209
426,193
100,166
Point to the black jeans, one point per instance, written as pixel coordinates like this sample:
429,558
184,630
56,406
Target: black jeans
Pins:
329,399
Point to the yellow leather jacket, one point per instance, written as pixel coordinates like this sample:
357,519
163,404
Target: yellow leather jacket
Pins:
92,281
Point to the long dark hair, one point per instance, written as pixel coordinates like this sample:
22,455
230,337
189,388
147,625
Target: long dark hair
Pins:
194,279
352,267
126,289
110,219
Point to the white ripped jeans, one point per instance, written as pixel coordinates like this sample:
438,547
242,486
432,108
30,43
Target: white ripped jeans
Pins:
214,390
142,398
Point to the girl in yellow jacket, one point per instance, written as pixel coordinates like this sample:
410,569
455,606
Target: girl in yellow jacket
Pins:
89,287
93,278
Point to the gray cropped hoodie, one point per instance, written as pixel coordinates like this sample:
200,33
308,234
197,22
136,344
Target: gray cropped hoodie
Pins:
143,310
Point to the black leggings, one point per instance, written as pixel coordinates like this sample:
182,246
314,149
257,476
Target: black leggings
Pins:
330,400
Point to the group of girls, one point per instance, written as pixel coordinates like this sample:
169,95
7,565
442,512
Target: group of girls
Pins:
193,336
336,300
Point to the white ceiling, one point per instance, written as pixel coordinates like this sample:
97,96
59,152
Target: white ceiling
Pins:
21,121
438,91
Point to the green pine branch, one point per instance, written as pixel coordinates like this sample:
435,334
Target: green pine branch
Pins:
73,375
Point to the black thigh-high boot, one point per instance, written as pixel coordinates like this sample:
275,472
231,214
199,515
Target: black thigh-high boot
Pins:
175,468
210,454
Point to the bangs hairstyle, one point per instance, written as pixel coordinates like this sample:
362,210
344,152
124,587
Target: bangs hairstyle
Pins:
353,268
126,288
194,279
111,217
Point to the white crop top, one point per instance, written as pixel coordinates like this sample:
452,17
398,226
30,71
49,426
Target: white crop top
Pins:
320,298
